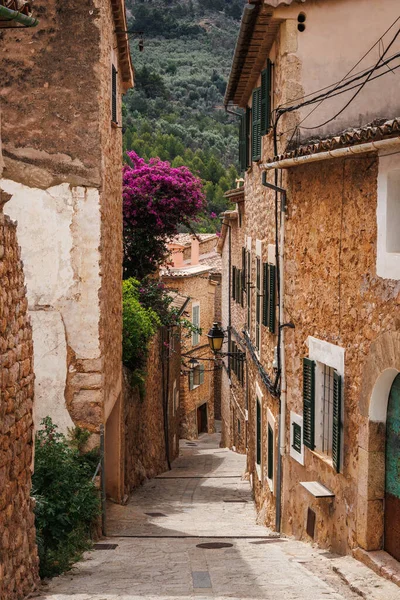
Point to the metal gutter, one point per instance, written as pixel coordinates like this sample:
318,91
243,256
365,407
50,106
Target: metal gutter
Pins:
337,153
7,14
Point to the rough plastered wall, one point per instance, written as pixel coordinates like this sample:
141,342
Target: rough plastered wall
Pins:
333,293
145,454
18,554
63,282
200,289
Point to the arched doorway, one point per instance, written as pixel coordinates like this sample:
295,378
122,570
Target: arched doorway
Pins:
381,368
392,472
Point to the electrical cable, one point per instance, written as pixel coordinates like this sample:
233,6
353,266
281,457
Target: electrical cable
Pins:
344,78
358,91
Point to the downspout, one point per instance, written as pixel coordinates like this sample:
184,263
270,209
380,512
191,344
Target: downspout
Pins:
281,374
6,14
229,298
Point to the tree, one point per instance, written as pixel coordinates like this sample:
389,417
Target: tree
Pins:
157,198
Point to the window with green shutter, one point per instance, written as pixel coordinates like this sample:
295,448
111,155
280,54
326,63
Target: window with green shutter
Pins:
269,294
256,126
258,432
114,104
270,442
242,143
309,403
296,444
266,105
337,415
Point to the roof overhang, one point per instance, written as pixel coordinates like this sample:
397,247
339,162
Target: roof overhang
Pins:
124,53
257,33
372,138
236,195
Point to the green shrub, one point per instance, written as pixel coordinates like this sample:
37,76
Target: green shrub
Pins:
140,323
67,502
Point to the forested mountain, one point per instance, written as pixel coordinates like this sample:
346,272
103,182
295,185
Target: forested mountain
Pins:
176,110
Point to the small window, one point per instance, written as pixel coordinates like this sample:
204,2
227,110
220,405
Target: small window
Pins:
196,377
296,443
270,469
114,95
196,323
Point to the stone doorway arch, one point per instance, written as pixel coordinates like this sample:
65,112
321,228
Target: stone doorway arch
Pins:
379,372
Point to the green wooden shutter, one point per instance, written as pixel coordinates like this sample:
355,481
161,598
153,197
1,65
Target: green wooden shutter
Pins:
266,99
337,412
258,434
265,295
270,467
201,378
242,143
296,444
113,94
271,297
256,125
191,377
247,137
308,403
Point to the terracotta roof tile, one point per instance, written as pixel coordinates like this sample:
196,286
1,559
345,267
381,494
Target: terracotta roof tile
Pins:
350,137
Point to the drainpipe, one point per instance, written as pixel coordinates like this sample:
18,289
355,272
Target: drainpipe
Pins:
7,14
281,349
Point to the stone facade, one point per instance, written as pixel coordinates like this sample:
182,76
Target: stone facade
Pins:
344,310
200,283
146,415
18,555
64,175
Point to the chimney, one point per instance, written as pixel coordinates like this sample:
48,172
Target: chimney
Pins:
195,251
176,252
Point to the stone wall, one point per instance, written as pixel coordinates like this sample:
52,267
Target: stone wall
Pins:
331,239
18,555
145,450
64,175
200,288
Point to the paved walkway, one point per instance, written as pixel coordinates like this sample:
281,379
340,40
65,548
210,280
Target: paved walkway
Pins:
204,500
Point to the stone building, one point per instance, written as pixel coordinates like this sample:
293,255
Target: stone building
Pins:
311,270
62,147
152,417
18,554
197,277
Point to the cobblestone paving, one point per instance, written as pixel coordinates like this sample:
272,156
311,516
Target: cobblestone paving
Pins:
158,558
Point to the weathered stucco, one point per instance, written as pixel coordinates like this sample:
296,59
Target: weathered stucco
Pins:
63,282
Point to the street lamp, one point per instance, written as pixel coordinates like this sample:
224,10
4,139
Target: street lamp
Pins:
216,338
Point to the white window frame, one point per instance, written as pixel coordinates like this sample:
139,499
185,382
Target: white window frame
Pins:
333,356
298,420
259,398
195,336
387,263
271,423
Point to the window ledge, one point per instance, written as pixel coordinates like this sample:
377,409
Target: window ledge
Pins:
316,489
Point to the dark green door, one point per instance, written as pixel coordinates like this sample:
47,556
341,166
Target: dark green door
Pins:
392,478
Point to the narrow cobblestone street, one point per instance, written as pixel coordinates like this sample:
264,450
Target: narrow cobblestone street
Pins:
204,499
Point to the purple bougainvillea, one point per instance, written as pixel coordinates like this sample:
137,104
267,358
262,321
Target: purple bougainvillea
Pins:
157,198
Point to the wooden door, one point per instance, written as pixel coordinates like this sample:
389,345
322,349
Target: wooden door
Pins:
392,474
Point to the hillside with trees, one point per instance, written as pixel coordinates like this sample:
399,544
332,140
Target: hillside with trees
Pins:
176,110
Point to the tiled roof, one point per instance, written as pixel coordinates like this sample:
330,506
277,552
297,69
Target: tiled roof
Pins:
185,271
212,259
350,137
235,195
186,238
